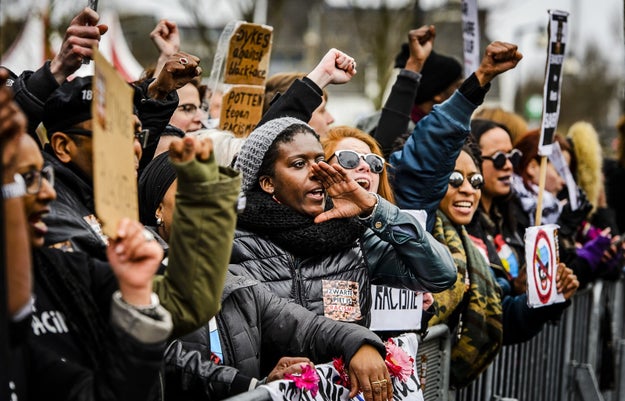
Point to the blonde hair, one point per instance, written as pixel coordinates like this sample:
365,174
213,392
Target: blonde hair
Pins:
336,134
588,159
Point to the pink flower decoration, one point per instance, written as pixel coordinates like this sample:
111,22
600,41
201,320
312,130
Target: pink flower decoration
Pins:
343,379
400,365
307,380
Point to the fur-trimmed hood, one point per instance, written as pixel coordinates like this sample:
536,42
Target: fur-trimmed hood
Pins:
588,159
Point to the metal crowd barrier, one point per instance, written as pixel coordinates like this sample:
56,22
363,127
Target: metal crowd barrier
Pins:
564,362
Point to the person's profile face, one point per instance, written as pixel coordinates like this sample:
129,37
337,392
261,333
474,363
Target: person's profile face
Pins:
37,204
321,119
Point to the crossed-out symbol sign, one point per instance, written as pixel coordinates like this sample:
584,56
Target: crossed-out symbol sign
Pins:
543,266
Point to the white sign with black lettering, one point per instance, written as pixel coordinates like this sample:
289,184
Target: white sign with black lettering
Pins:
470,36
395,309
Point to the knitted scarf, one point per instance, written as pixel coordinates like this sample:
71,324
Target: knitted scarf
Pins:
529,201
476,310
295,232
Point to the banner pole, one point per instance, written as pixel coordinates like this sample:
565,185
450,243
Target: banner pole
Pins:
541,189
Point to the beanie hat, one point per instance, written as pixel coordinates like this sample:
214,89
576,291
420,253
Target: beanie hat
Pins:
154,182
255,147
438,73
68,105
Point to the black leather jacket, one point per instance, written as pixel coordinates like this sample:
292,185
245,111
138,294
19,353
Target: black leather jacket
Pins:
394,251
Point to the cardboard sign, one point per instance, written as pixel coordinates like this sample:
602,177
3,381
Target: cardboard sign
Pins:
114,172
241,109
553,79
470,36
395,309
541,257
248,55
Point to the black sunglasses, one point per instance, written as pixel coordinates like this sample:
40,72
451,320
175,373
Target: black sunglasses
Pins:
499,158
350,160
456,179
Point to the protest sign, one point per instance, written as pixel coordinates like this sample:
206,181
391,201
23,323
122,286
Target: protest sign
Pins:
553,79
470,36
114,171
559,163
248,55
241,109
240,69
541,258
395,309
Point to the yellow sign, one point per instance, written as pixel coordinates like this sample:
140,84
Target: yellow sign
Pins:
114,173
248,55
241,109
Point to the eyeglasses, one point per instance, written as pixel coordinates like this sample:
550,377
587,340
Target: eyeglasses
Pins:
350,160
188,108
140,135
33,179
499,158
456,179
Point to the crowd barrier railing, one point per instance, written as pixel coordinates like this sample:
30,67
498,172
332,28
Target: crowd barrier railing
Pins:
569,360
580,358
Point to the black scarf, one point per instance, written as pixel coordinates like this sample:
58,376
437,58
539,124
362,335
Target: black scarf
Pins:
295,232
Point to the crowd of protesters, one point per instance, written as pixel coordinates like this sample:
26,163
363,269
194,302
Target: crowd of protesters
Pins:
220,287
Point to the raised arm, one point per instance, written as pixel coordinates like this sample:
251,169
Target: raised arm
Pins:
305,95
423,166
201,235
395,115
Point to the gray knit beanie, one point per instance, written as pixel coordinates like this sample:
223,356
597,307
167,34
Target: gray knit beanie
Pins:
255,147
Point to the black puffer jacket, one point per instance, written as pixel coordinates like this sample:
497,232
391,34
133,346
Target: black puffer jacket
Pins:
394,251
256,328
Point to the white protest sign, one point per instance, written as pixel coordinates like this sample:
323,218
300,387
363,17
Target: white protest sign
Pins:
470,36
395,309
541,257
553,79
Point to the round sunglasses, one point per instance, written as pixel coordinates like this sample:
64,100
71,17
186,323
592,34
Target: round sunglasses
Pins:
499,158
456,179
349,159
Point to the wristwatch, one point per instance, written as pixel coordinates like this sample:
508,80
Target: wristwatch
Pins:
16,189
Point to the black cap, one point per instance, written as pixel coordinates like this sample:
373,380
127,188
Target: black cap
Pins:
68,105
438,73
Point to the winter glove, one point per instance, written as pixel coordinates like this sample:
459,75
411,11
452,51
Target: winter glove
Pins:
593,251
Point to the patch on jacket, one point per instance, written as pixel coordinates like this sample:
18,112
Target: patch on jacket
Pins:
341,300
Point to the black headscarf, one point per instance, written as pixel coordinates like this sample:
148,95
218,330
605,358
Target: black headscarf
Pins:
154,182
